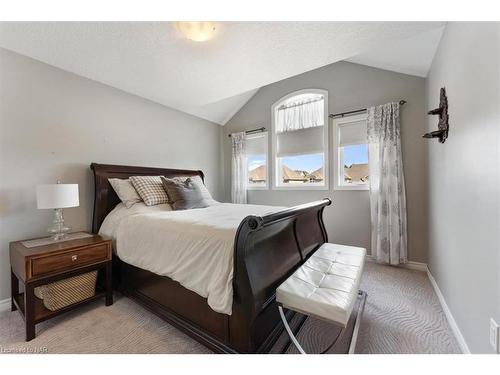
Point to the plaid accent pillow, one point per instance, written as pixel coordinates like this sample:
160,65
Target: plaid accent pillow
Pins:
150,189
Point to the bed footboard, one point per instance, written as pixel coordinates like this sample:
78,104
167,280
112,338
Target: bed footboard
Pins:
268,250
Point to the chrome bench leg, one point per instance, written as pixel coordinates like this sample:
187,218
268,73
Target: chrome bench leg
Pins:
352,347
363,295
290,333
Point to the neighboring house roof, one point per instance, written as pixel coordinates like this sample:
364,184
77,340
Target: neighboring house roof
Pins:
317,174
357,172
258,174
291,175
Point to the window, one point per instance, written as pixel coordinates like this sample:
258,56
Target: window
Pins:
350,153
256,149
300,140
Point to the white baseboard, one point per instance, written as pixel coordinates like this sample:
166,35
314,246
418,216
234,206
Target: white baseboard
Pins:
5,305
415,266
451,320
409,265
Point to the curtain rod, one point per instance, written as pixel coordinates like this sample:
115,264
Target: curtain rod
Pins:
313,100
342,114
258,130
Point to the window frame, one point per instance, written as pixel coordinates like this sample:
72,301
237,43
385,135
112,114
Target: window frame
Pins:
275,178
337,153
266,187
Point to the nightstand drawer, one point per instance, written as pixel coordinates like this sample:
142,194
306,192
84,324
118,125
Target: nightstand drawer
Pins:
68,260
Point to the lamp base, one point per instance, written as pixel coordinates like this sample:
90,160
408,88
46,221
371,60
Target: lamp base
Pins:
58,229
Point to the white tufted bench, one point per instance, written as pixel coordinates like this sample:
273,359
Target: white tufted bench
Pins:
325,286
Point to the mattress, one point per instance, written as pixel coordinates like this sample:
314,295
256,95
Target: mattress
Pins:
193,247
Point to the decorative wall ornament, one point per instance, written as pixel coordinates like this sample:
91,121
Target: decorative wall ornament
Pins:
442,111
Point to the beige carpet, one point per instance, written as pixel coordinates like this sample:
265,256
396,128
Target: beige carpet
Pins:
402,315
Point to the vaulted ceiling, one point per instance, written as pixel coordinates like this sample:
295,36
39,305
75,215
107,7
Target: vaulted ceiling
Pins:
214,79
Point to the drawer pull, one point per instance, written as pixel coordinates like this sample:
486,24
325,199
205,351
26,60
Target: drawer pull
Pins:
70,259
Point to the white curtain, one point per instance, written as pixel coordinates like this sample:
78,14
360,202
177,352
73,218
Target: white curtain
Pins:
387,186
300,114
239,168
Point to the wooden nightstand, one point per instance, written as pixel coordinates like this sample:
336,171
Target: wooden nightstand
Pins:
44,264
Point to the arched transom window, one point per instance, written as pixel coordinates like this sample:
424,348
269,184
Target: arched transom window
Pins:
300,140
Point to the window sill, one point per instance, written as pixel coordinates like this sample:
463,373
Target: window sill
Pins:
257,188
300,188
354,187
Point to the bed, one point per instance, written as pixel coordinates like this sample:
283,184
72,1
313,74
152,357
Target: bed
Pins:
266,247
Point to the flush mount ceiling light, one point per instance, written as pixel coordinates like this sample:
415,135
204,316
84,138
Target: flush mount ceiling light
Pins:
198,31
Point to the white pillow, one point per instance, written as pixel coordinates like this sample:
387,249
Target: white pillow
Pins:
125,191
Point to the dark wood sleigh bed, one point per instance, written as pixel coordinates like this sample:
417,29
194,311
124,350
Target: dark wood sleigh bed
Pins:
267,250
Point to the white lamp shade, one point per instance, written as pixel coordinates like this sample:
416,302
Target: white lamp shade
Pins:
57,196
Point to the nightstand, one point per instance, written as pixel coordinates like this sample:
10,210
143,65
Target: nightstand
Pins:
36,263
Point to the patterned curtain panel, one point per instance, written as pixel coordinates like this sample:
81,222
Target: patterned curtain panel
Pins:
239,168
387,186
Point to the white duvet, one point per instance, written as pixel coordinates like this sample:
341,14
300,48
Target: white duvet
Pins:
194,247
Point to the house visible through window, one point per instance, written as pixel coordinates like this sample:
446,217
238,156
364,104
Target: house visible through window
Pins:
300,140
256,149
351,153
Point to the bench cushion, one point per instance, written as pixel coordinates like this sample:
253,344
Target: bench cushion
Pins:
326,285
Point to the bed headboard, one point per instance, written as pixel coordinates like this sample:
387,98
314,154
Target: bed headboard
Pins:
105,198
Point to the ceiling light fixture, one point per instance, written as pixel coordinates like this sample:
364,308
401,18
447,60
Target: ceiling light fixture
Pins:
199,31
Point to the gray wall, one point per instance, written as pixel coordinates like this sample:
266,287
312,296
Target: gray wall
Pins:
350,86
53,124
464,178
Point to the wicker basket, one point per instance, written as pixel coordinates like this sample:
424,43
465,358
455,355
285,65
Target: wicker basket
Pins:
65,292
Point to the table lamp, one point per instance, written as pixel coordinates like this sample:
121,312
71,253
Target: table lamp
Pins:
56,197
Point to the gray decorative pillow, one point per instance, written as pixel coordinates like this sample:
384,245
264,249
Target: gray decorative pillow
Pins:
150,189
204,191
184,194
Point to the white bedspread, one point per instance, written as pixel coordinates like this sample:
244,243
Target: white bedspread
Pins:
194,247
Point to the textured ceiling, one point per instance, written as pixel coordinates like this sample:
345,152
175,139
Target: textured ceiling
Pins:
410,56
213,79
